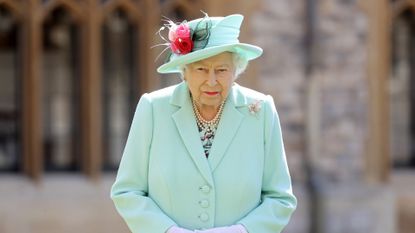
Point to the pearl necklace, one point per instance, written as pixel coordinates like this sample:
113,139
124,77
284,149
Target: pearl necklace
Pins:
205,124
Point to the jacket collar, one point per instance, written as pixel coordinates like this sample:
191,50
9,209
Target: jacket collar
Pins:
228,126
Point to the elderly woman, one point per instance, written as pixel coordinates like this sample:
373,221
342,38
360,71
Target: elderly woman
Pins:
205,155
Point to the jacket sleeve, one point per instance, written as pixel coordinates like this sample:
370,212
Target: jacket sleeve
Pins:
277,199
130,190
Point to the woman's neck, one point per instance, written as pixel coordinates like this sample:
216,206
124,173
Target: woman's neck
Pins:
208,112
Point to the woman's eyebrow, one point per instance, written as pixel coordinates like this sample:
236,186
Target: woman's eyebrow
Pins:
197,65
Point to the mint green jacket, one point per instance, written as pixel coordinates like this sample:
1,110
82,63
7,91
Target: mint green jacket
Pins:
164,178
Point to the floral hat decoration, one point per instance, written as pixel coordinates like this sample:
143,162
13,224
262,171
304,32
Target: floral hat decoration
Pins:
202,38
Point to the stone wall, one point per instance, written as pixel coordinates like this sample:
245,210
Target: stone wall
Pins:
341,70
323,110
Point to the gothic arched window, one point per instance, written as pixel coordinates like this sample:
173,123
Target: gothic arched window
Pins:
10,91
119,85
61,92
402,91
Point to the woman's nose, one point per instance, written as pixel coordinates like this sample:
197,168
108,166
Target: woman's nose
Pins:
212,79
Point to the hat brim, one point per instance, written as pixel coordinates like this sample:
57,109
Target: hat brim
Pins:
248,51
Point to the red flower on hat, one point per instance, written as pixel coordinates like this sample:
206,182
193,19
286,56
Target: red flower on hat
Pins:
180,39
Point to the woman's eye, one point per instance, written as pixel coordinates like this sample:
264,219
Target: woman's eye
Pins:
222,70
200,69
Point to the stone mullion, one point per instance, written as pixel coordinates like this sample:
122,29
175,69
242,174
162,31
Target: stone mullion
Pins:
91,91
31,86
141,53
377,161
147,76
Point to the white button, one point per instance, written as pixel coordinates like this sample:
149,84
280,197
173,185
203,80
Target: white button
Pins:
204,217
205,189
204,203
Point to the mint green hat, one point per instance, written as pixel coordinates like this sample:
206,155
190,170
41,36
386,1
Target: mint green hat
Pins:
219,34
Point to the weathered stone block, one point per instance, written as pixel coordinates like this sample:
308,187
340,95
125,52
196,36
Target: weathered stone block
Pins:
355,209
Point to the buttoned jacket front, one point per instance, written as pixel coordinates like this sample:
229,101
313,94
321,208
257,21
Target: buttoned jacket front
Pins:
164,178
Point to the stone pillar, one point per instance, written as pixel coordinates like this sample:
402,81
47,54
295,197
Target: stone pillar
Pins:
344,201
320,87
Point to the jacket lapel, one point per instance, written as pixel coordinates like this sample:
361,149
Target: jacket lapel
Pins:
186,125
228,126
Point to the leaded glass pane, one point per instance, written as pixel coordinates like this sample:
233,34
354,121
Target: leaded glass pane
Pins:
119,45
401,89
61,115
10,92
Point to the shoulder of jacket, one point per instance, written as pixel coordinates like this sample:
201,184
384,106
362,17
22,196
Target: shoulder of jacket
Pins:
250,95
163,94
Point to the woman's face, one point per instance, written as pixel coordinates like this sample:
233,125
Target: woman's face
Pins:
209,80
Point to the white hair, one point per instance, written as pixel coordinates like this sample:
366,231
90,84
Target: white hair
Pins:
240,63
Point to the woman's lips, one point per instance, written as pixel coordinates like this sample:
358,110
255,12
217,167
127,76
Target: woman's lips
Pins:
211,93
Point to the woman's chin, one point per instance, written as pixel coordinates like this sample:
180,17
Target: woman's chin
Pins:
211,102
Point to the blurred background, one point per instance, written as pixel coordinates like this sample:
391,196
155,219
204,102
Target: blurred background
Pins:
342,73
